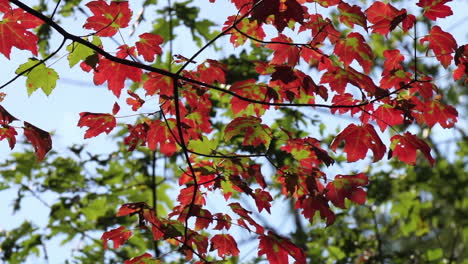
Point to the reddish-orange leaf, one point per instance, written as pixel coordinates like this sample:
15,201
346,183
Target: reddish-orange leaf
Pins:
354,47
186,196
115,74
433,112
14,31
262,200
442,44
386,17
4,6
97,123
39,138
9,133
146,258
352,15
251,28
405,147
159,84
225,244
137,136
131,208
251,128
434,9
204,219
222,221
107,19
277,249
149,46
461,60
245,215
347,186
249,89
117,235
358,140
386,115
135,101
288,54
311,204
393,60
211,71
159,134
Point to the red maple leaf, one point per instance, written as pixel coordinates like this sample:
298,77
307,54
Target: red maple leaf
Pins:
249,89
149,46
211,71
39,138
434,9
159,134
108,18
225,244
14,31
116,73
442,44
393,60
254,132
9,133
358,140
159,84
352,15
433,112
135,101
283,11
5,117
250,28
461,60
131,208
311,204
117,235
262,200
277,249
245,215
386,115
386,17
146,258
405,147
288,54
97,123
137,136
354,47
347,186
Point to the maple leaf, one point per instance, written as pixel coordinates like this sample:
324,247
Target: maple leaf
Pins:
432,112
222,221
97,123
146,258
358,140
79,52
38,76
278,248
159,134
211,71
137,136
386,17
442,44
393,60
9,133
131,208
354,47
249,89
14,31
135,101
39,138
386,115
434,9
352,15
288,54
245,215
254,132
311,204
5,117
118,236
107,19
250,28
347,186
262,200
461,60
149,46
283,11
116,73
225,244
405,147
159,84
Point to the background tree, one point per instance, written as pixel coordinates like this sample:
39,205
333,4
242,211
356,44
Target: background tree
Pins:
245,128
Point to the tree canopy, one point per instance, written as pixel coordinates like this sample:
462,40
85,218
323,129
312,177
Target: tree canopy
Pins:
306,130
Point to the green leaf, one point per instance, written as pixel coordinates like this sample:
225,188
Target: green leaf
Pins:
435,254
79,52
38,76
203,146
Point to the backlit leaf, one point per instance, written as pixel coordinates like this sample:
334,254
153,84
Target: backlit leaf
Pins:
38,76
